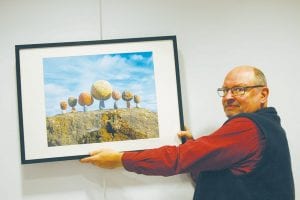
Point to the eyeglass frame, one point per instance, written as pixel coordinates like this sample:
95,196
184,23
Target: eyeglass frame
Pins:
225,90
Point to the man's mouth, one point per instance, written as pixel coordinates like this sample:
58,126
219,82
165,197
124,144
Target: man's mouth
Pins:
231,106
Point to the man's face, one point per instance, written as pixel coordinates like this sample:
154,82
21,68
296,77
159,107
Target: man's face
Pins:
251,101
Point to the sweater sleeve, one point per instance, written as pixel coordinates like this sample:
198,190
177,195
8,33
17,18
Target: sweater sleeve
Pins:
236,145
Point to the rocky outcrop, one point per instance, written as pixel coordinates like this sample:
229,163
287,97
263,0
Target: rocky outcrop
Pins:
101,126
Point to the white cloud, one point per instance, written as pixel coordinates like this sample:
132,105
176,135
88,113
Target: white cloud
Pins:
55,90
136,57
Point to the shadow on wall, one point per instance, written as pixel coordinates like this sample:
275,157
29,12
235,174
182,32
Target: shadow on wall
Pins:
93,182
58,177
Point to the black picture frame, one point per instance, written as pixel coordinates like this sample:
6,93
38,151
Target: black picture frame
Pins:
39,68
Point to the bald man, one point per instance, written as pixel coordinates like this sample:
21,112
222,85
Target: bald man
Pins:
247,158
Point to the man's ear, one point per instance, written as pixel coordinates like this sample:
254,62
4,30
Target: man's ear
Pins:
264,95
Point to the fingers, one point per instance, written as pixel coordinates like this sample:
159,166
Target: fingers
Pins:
92,157
185,133
105,158
180,134
86,160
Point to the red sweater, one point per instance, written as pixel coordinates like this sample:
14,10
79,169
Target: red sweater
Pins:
236,146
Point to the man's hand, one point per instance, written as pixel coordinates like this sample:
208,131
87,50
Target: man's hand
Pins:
186,134
105,158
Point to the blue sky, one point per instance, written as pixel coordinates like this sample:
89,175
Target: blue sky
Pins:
66,77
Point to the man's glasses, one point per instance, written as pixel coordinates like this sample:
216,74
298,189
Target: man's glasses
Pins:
236,91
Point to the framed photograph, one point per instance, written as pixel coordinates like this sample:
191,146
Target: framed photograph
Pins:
76,97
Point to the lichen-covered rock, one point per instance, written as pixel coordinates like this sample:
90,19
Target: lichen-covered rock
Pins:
73,128
137,99
116,95
101,126
101,90
72,101
63,105
85,99
127,96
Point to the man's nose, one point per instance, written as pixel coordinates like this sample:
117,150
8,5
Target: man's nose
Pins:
229,101
228,95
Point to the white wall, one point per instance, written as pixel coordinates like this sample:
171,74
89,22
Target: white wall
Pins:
213,36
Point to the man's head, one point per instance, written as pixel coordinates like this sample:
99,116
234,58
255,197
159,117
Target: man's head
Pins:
244,91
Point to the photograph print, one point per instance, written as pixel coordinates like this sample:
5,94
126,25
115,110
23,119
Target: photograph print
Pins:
75,97
100,98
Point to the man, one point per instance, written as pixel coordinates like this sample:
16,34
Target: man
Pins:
245,159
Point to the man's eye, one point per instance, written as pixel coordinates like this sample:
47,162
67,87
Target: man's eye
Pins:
238,89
